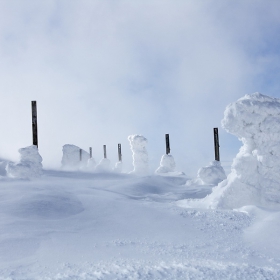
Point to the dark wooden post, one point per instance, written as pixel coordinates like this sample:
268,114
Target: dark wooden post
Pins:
120,152
104,150
80,154
34,123
90,152
216,144
167,144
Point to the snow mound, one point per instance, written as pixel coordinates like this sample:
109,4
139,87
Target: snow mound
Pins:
118,167
30,165
139,154
71,158
254,177
212,174
91,164
103,166
167,164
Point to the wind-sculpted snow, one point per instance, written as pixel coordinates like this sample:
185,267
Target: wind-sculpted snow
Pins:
167,164
30,165
139,154
103,166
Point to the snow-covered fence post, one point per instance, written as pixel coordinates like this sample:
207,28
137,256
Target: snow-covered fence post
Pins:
34,123
104,150
167,144
90,152
120,152
80,154
216,144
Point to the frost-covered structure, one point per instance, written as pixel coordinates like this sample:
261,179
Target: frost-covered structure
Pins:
212,174
255,176
103,166
30,165
71,159
139,154
167,164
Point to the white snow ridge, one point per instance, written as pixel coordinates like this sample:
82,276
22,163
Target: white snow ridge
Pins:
139,154
254,177
30,164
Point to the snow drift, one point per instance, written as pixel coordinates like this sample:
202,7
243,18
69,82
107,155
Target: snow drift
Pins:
103,166
212,174
71,158
139,154
30,164
167,164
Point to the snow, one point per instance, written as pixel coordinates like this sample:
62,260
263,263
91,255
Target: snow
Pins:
167,164
81,224
139,154
30,164
103,166
118,167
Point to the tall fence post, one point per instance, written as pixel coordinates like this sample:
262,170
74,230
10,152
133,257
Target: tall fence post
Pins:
167,144
34,123
80,154
216,144
120,152
90,152
104,150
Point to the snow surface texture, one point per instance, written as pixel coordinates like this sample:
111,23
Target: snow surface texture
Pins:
255,176
212,174
139,154
167,164
71,158
103,166
30,165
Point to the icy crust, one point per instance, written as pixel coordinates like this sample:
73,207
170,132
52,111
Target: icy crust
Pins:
254,177
212,174
139,154
167,164
30,165
71,158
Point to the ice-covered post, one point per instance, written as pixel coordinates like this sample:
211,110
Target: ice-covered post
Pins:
90,152
104,150
34,123
216,144
167,144
120,152
80,154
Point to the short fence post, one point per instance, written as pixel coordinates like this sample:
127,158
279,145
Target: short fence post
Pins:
167,144
104,150
90,152
34,123
80,154
216,144
120,152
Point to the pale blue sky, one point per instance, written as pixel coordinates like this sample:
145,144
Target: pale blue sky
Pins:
102,70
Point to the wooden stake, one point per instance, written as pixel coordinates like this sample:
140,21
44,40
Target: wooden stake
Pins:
104,150
80,154
216,144
120,152
167,144
90,152
34,123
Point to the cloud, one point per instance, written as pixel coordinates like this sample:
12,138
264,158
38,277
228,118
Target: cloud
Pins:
102,70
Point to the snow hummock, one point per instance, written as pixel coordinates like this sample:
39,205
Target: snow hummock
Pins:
30,165
167,164
139,154
255,176
71,158
103,166
211,174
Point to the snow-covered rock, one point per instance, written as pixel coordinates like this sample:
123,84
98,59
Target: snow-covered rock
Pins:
255,176
71,158
139,154
212,174
167,164
30,165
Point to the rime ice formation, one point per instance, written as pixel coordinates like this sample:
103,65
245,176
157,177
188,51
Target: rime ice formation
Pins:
71,158
255,176
212,174
167,164
139,154
30,164
103,165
